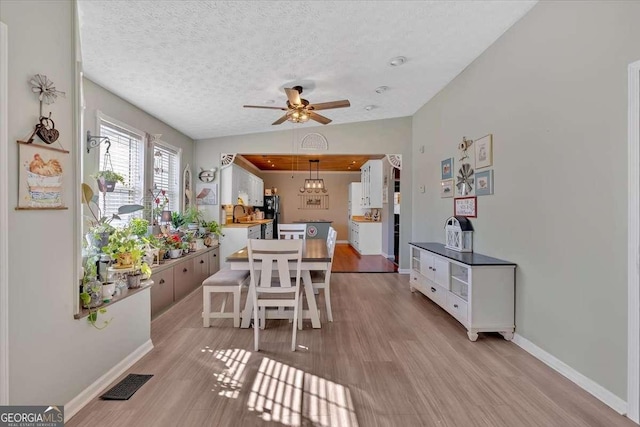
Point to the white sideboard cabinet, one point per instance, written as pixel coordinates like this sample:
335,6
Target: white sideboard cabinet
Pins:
477,290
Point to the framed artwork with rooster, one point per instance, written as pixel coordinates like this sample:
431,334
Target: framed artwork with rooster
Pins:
41,177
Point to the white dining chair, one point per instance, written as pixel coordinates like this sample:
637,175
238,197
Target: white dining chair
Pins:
263,284
321,279
292,231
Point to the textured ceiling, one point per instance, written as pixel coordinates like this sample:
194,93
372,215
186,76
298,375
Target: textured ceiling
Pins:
193,64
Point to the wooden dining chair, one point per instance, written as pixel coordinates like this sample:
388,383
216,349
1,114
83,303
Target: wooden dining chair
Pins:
321,279
292,231
263,285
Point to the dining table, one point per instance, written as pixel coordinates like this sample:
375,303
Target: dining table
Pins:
315,256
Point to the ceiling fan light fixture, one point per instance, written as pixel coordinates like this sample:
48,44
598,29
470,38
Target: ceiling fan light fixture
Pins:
397,61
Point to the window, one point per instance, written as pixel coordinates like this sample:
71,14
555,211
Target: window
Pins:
125,157
166,173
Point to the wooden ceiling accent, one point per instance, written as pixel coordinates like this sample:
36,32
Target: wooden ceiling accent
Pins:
328,162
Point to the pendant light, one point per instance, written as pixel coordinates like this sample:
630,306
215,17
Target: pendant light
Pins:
314,185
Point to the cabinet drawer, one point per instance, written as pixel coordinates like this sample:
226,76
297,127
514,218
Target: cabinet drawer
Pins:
457,307
161,291
214,261
183,279
201,267
436,293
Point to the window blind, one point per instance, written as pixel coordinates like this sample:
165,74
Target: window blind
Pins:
166,173
126,153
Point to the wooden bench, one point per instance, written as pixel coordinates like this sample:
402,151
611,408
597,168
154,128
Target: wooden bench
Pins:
227,281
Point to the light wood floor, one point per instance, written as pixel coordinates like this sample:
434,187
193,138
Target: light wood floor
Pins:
348,260
390,358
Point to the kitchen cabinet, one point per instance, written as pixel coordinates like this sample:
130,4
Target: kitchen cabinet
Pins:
235,238
366,237
371,176
355,200
237,182
183,279
477,290
174,279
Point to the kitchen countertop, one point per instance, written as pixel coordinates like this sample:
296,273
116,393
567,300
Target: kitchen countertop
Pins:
307,221
247,224
357,218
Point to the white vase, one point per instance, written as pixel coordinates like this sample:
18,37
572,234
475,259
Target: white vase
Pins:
107,291
175,253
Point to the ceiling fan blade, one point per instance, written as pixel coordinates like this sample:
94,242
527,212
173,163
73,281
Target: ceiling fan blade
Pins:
333,104
267,108
280,120
318,118
294,96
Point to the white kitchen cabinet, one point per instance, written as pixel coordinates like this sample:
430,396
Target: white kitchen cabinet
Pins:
371,179
477,290
237,182
354,207
366,237
235,238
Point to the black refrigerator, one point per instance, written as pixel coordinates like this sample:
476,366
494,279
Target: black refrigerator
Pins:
271,210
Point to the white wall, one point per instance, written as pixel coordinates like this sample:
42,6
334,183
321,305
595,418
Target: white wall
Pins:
392,136
553,91
52,356
100,99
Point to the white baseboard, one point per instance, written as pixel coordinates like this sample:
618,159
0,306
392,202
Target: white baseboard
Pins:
404,271
587,384
88,394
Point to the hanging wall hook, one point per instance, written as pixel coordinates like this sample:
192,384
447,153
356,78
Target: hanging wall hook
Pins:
94,141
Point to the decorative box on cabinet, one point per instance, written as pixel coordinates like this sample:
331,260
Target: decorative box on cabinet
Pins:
477,290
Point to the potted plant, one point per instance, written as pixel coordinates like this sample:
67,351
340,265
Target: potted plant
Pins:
213,227
90,283
139,226
107,180
193,217
100,227
177,220
175,245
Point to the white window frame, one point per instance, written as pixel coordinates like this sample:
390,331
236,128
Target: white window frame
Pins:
178,152
101,117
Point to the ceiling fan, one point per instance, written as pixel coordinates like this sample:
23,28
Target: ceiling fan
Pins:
299,110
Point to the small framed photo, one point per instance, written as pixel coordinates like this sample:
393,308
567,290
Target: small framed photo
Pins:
446,168
465,206
484,183
446,188
484,151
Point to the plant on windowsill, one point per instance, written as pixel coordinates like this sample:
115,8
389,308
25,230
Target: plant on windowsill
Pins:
128,250
176,246
139,226
100,227
212,227
193,217
107,180
91,295
177,220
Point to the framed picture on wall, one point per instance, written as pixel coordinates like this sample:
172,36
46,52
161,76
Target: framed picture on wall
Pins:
446,188
207,194
466,206
484,151
446,168
484,183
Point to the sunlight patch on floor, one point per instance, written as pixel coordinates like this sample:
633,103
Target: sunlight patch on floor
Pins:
231,378
287,395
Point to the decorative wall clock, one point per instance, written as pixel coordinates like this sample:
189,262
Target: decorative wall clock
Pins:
465,179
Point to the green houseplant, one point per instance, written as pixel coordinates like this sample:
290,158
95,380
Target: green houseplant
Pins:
128,250
100,226
107,180
91,293
193,217
213,227
177,220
